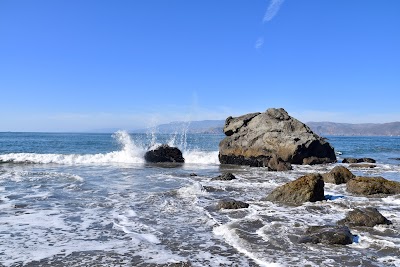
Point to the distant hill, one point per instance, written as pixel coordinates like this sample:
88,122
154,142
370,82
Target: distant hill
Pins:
320,128
199,127
348,129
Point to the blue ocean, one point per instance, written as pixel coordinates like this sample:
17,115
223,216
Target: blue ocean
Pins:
76,199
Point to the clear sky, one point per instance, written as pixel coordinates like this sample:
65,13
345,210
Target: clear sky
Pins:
77,65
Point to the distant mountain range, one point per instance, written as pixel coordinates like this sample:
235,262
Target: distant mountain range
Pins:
320,128
362,129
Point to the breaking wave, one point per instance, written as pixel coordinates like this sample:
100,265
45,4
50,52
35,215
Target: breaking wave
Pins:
130,152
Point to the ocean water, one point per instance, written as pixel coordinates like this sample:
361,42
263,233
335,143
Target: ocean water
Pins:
91,200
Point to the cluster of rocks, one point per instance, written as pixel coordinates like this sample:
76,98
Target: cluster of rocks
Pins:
310,188
361,185
275,140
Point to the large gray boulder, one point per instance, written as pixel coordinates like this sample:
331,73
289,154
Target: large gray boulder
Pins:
306,188
254,139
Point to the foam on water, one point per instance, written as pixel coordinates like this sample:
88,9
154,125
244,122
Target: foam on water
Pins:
201,157
192,191
19,176
158,215
130,152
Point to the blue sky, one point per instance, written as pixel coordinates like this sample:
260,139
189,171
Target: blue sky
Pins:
78,65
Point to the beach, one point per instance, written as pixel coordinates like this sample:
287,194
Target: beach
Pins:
91,200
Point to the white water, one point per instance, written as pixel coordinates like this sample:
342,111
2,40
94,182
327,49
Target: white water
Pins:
164,215
130,152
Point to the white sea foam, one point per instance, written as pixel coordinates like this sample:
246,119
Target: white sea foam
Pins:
130,153
201,157
192,191
392,200
235,241
18,176
390,261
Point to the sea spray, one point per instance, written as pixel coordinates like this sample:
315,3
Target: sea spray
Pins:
130,153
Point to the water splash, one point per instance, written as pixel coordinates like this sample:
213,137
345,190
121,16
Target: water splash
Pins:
130,152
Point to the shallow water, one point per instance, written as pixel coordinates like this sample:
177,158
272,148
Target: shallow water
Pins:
87,200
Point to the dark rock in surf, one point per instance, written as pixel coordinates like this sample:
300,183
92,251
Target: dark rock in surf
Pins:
224,177
366,160
368,217
256,139
362,165
372,186
327,234
164,153
338,175
172,264
193,174
277,164
350,160
360,160
231,204
308,188
212,189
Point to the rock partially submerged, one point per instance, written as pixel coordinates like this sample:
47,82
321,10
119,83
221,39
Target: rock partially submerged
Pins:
172,264
224,177
308,188
368,217
360,160
254,139
329,235
372,185
231,204
338,175
362,165
164,153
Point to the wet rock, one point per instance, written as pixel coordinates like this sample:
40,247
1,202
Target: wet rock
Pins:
164,153
364,217
366,160
20,206
175,264
329,235
360,160
315,161
306,188
372,185
350,160
212,189
254,139
277,164
231,204
224,177
365,166
338,175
